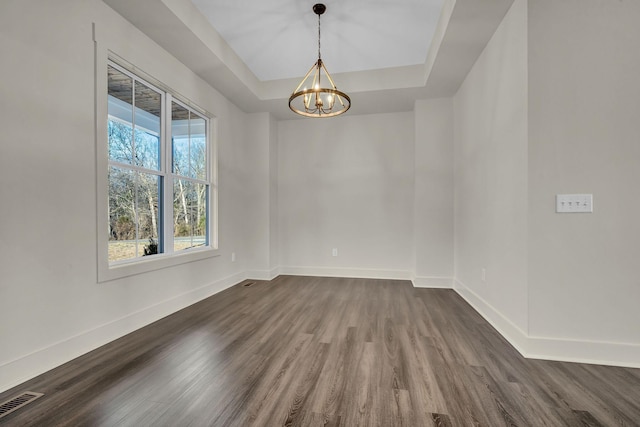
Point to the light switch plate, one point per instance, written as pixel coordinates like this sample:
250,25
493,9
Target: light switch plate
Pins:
574,203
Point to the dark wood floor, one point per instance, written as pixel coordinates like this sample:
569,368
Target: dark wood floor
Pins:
325,351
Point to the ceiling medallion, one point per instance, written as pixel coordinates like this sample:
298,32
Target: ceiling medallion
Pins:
314,100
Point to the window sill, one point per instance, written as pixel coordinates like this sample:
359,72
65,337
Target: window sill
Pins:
107,272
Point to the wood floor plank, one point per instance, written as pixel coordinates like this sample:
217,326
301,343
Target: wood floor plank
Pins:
424,393
440,420
317,351
364,388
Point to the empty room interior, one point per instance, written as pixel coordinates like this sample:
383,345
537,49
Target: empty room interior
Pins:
193,234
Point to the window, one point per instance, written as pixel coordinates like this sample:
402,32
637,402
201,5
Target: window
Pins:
159,172
190,186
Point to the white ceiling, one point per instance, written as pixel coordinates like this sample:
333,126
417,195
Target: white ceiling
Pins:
277,39
385,54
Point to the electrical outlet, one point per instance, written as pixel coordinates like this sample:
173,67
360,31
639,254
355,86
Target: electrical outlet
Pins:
334,252
233,257
484,275
574,203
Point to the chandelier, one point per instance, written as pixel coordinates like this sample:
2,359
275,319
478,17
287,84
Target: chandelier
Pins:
314,100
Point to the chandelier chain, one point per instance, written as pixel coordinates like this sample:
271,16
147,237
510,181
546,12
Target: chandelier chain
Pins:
319,57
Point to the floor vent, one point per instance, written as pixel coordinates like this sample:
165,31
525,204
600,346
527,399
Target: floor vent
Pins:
246,285
18,402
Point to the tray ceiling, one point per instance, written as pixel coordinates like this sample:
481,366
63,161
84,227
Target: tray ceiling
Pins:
277,39
255,53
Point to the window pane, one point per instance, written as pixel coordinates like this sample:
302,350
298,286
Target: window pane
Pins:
120,111
122,214
181,156
134,220
120,141
190,221
147,119
148,219
198,134
147,149
180,139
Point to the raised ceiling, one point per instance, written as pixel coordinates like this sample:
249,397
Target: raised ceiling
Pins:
370,46
277,39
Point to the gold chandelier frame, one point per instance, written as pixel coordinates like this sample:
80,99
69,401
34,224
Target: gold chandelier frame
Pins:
314,100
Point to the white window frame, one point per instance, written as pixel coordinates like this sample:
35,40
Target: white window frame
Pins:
108,271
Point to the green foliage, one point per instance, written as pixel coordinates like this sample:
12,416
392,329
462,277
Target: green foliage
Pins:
151,248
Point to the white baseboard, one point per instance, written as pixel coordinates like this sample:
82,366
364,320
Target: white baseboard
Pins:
263,274
512,333
31,365
594,352
346,272
433,282
559,349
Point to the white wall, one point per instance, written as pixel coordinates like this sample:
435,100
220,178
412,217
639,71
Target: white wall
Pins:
258,210
261,164
490,132
433,198
51,307
584,127
274,227
551,108
347,183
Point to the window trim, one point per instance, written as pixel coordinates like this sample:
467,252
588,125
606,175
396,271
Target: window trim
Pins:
107,271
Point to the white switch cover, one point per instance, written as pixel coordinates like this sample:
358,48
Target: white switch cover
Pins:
334,252
574,203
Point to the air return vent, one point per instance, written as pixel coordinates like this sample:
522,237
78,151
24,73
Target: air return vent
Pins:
18,402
